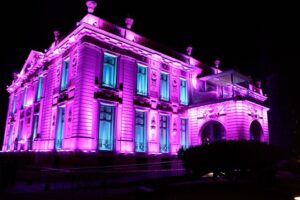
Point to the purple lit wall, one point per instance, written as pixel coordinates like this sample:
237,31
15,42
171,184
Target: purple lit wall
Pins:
85,48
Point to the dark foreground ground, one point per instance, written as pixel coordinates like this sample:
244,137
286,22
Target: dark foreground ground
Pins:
156,179
178,187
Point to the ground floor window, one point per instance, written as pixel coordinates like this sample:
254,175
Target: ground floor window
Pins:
164,136
140,131
106,127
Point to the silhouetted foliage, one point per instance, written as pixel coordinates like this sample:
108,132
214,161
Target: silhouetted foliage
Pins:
233,159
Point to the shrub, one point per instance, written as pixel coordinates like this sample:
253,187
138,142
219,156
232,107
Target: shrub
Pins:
232,158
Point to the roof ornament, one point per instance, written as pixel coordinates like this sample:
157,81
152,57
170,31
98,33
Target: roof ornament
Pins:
129,22
91,5
217,63
189,50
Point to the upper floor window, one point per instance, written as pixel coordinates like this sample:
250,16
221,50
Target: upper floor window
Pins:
13,106
142,80
39,89
24,98
164,87
183,92
109,71
64,75
140,131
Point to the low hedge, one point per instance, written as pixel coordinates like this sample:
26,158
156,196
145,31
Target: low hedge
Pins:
232,157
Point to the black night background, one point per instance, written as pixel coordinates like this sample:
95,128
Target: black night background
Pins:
257,39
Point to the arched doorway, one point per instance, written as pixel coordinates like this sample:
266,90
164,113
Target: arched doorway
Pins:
212,131
256,131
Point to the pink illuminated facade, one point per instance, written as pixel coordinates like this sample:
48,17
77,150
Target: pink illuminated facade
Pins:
105,88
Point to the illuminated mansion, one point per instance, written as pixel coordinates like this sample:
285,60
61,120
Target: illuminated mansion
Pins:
106,88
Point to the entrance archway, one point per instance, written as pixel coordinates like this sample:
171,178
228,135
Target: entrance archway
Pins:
256,131
212,131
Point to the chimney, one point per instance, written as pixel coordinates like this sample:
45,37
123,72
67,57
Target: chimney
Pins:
91,5
217,63
129,22
189,50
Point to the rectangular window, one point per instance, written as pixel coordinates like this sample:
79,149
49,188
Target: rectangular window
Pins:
164,87
39,89
106,128
24,98
142,81
164,136
184,133
20,130
11,128
60,128
109,71
140,131
34,131
13,106
35,126
64,75
183,92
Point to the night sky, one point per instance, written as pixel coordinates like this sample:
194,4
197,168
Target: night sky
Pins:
259,40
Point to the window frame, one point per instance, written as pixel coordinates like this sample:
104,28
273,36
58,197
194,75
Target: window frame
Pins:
115,70
168,86
145,130
113,126
39,89
64,74
186,90
146,75
167,133
186,145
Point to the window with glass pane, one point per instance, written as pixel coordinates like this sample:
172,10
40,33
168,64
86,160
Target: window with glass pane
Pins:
13,107
106,128
11,128
24,98
140,131
142,85
184,133
164,86
60,128
64,75
39,89
20,130
164,137
35,126
109,71
183,92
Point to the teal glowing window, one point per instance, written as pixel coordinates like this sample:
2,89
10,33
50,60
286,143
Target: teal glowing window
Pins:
164,87
184,133
20,130
13,106
64,75
164,137
183,92
106,128
142,81
140,131
24,98
39,89
109,71
60,128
